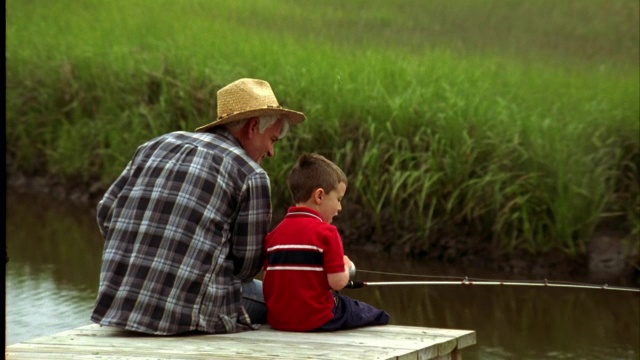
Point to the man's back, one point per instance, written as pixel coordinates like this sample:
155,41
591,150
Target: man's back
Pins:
168,265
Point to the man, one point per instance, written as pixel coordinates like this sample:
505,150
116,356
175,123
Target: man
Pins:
184,224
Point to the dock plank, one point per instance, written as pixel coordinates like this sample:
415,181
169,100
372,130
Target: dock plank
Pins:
376,342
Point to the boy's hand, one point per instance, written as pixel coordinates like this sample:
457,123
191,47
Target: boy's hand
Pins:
349,267
347,263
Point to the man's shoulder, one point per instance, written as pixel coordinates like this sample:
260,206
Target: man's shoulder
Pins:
219,147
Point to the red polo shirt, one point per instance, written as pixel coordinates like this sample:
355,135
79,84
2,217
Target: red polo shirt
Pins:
300,252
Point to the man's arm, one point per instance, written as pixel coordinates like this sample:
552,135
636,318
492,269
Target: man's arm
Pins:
251,227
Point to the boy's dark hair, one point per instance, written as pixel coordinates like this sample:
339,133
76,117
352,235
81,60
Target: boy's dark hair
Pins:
311,172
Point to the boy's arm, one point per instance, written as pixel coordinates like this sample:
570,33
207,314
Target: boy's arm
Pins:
338,281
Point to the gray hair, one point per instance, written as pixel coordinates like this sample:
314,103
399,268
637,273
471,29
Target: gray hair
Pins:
264,122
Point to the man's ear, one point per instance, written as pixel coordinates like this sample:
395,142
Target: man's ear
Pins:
252,127
317,195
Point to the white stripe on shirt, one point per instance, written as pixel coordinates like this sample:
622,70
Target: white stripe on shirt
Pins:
302,247
302,268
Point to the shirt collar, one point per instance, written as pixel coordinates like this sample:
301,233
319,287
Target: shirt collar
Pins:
303,211
225,133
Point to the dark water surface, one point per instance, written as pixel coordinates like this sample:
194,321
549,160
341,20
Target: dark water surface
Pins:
52,278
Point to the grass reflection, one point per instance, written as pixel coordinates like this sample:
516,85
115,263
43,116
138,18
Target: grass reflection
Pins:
55,238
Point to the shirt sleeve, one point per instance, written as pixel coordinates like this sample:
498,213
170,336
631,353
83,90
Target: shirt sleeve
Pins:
104,209
334,252
251,227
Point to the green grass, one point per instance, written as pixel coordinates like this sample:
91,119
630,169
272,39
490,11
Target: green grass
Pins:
512,122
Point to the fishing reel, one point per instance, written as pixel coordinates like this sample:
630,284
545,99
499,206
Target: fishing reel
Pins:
352,284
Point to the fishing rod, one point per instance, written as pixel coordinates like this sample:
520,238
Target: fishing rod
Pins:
352,284
360,284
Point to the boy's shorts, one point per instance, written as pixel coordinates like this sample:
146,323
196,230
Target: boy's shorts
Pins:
350,313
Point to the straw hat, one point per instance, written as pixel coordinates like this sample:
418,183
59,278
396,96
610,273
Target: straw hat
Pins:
247,98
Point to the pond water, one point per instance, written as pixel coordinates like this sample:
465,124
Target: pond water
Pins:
54,262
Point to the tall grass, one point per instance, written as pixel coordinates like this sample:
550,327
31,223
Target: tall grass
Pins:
521,133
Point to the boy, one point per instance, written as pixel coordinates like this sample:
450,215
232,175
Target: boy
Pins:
305,264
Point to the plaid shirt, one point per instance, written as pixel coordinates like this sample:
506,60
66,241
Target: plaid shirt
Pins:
183,225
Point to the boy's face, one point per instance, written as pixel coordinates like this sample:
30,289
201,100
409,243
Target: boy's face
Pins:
330,204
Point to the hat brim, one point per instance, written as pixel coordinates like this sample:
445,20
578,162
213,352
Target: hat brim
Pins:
294,117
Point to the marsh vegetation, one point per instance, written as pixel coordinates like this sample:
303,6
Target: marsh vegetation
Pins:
491,127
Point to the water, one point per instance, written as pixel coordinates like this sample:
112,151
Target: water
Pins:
54,264
52,277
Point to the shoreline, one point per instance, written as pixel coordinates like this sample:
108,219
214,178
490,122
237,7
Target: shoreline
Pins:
607,261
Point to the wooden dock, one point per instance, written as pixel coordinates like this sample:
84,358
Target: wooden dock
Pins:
376,342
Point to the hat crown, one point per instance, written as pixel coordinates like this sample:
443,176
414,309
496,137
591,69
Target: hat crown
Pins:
247,98
245,95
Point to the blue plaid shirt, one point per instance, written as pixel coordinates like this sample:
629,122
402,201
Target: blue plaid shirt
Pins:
184,225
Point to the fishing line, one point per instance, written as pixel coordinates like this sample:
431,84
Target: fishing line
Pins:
409,275
477,281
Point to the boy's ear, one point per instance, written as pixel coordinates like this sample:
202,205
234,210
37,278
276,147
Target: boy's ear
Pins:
317,195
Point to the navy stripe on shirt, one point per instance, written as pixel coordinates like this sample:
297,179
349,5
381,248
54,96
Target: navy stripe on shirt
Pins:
295,257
